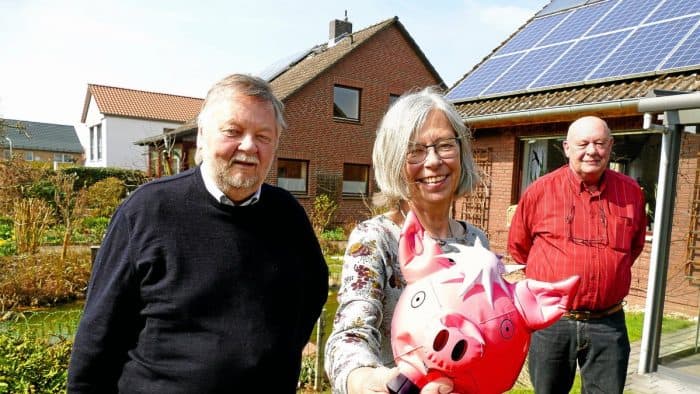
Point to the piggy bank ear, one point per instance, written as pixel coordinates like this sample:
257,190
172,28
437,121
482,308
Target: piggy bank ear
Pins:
417,254
541,304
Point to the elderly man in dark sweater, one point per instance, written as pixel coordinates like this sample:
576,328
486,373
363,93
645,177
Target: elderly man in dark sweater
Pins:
209,281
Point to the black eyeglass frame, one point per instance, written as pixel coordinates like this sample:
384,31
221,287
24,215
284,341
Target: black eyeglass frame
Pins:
600,242
435,147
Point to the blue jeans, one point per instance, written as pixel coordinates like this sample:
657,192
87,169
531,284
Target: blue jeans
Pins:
601,347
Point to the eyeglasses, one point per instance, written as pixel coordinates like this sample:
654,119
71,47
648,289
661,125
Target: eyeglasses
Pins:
589,239
446,148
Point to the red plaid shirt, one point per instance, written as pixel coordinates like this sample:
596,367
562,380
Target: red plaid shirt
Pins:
561,229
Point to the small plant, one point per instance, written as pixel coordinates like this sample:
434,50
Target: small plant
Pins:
322,213
336,234
93,230
71,205
7,240
32,364
31,218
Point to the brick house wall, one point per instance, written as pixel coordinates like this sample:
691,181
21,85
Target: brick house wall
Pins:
384,65
504,143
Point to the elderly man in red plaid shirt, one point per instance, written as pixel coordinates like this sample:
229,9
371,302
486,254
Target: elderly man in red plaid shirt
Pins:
582,219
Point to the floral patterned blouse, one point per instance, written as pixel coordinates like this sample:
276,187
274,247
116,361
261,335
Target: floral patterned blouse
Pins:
370,287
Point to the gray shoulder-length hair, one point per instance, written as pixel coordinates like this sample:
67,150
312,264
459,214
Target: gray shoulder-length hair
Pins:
399,127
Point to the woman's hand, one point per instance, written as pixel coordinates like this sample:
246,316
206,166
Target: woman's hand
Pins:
368,380
438,386
365,380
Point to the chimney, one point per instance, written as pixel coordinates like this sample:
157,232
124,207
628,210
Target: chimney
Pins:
338,29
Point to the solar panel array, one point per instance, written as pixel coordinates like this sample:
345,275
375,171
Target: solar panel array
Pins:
591,41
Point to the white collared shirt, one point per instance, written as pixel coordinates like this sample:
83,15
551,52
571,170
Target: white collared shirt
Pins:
214,190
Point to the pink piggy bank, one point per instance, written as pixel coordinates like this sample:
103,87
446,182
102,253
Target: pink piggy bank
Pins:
458,318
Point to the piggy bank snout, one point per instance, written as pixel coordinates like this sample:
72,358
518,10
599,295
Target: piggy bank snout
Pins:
453,341
450,344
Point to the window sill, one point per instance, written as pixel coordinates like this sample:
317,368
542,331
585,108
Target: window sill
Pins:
346,120
353,196
303,194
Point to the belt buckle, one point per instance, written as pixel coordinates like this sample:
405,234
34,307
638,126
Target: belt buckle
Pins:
579,315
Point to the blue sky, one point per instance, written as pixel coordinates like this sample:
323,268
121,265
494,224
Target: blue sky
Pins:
53,48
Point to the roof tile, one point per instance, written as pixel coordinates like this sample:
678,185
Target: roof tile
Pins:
142,104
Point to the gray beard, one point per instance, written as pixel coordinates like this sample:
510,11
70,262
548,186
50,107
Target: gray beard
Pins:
228,182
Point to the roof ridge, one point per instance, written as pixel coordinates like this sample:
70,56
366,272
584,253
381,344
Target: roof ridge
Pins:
90,85
34,121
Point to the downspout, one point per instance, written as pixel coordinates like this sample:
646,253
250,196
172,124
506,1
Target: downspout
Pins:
576,109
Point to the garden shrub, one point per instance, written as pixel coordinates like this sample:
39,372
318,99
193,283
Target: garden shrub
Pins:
31,218
7,242
42,280
104,196
16,179
88,176
33,364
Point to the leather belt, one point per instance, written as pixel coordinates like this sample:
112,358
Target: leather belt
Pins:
584,315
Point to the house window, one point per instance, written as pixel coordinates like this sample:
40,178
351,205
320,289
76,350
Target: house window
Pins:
29,156
392,99
346,103
98,139
62,157
92,143
355,179
6,154
96,142
541,156
292,175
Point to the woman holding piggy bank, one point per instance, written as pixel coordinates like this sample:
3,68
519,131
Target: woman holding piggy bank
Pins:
422,161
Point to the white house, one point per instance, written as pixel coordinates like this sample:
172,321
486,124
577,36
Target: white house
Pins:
114,118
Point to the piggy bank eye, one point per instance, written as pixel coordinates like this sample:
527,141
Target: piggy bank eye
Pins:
507,329
418,299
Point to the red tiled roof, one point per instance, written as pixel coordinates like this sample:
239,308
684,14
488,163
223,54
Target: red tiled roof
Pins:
141,104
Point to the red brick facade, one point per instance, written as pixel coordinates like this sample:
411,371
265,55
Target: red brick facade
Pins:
386,64
504,144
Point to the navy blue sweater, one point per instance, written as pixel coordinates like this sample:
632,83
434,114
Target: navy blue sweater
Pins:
191,296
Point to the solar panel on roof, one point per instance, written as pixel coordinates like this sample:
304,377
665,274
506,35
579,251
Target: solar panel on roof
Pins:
627,13
673,8
686,55
581,59
558,5
532,33
645,49
578,23
627,38
278,67
522,74
482,77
